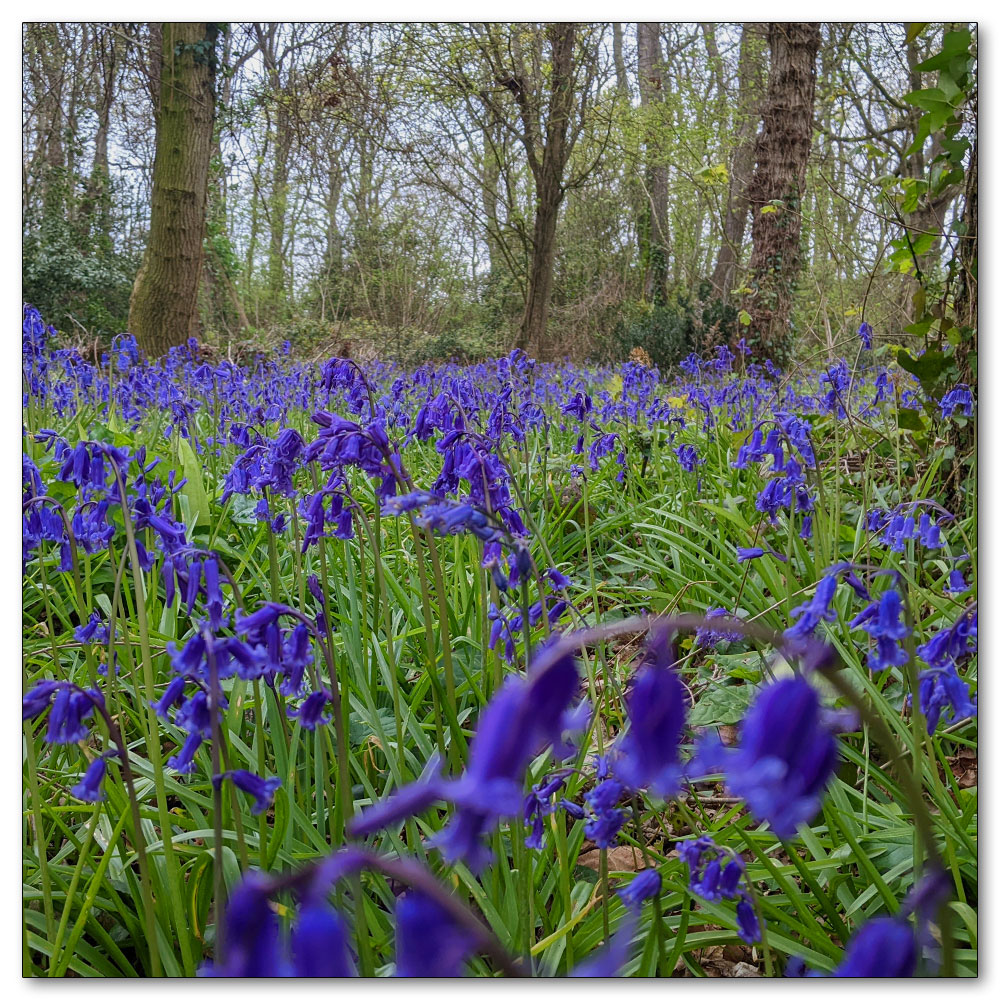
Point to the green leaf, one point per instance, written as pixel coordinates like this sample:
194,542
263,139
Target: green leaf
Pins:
194,488
954,44
914,30
909,420
722,705
927,367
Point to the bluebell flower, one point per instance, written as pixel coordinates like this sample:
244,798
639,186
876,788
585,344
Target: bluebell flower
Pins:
183,761
846,570
645,885
882,622
748,926
69,708
959,398
865,333
173,695
605,819
38,698
261,790
94,630
538,804
648,754
525,715
430,943
714,879
705,636
785,758
310,712
956,583
882,948
253,944
942,690
194,714
688,457
319,943
89,787
814,611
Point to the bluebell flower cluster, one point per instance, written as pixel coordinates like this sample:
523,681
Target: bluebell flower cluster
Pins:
716,875
941,689
882,621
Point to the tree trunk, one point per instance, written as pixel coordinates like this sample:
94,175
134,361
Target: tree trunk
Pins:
778,185
164,303
96,208
617,49
734,223
657,200
548,170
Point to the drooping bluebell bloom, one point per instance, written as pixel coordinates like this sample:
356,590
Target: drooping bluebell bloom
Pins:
705,636
956,583
942,690
319,943
814,611
194,714
645,885
523,716
537,805
183,761
846,570
38,698
882,948
865,333
748,926
785,758
173,695
713,878
959,398
94,630
260,789
648,754
310,712
929,532
89,787
430,943
605,818
888,630
745,555
688,457
70,707
253,943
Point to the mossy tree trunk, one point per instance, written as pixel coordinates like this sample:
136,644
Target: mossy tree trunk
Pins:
164,304
778,186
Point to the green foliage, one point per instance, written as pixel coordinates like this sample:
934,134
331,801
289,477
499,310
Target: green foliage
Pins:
75,281
671,331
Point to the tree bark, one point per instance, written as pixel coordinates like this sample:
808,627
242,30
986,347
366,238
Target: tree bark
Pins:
547,166
778,185
656,215
617,48
734,223
164,303
96,208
